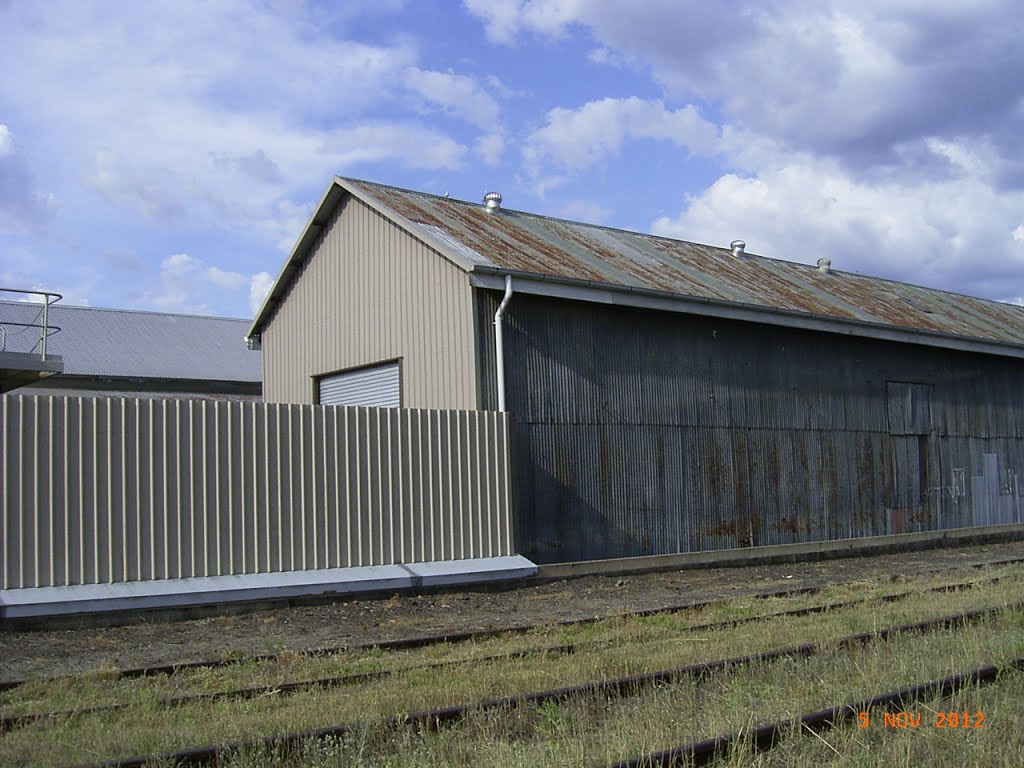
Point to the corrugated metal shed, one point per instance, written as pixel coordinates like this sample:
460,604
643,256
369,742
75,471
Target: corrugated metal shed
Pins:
363,292
125,343
641,433
670,396
528,244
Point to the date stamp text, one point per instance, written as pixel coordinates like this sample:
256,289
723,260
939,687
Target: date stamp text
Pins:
905,719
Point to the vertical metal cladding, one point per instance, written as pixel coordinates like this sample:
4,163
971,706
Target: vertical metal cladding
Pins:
110,490
371,293
649,433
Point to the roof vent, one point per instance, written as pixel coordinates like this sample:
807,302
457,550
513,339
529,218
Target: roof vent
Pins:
738,247
825,265
493,201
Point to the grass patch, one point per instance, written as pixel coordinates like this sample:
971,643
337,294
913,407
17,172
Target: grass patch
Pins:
572,733
599,731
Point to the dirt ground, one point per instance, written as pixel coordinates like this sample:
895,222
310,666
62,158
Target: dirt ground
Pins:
349,621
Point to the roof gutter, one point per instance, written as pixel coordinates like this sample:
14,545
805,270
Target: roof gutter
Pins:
603,293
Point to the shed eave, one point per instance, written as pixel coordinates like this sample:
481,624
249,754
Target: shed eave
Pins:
603,293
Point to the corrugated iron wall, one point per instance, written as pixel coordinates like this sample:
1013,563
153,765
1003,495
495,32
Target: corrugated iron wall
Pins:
113,490
641,432
371,293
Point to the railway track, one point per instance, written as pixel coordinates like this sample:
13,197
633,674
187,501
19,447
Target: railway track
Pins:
10,722
767,736
629,686
428,640
471,635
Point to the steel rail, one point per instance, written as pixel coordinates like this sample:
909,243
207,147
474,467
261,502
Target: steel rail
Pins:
766,737
9,722
480,634
428,640
622,686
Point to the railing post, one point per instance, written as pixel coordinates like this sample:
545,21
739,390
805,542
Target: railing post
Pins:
45,328
42,340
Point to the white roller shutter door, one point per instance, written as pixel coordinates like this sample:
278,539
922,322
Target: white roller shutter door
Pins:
377,386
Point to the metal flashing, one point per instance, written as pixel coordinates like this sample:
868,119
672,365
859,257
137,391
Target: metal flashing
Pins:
543,285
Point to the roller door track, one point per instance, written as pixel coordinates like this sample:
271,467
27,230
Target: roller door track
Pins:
377,386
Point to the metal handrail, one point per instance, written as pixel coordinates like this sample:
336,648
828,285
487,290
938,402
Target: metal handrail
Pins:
49,297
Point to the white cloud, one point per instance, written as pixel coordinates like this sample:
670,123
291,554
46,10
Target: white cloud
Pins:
490,148
168,112
943,233
608,57
259,286
179,265
188,284
281,223
581,138
883,134
153,192
6,141
501,18
860,80
498,86
465,99
23,208
457,95
28,271
256,165
544,184
412,145
504,19
590,211
228,280
67,297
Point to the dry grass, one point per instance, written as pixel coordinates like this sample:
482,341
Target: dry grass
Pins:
580,732
592,731
998,744
104,688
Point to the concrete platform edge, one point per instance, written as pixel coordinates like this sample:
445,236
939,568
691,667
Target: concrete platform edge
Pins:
38,602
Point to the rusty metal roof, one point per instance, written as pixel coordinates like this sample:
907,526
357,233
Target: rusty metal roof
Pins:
525,243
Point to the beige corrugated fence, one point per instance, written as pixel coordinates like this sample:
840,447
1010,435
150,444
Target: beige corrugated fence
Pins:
112,490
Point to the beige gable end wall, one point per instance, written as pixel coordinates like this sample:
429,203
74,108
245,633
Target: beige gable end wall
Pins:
369,293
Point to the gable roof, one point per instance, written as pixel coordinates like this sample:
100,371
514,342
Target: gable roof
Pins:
129,343
582,261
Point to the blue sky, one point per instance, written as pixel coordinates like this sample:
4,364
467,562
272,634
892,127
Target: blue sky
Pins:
165,155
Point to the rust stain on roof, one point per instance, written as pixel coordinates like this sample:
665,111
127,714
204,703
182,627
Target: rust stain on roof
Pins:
525,242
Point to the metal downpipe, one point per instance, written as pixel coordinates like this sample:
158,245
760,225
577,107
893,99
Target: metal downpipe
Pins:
499,347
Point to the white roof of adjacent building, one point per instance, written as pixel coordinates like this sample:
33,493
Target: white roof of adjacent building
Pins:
131,343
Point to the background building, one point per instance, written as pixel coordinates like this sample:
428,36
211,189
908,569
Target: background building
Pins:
124,353
668,396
